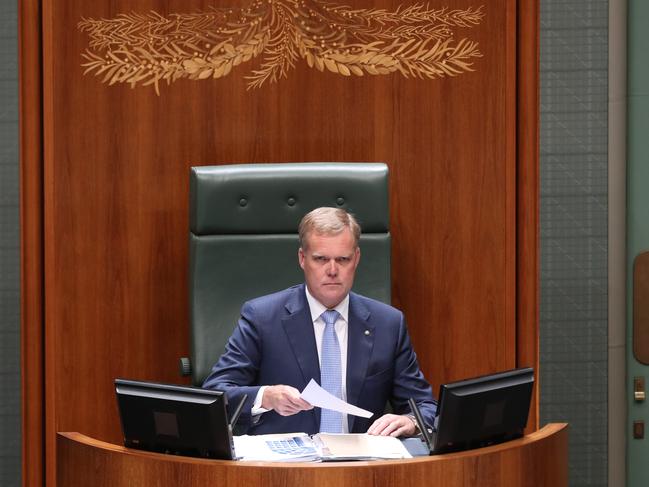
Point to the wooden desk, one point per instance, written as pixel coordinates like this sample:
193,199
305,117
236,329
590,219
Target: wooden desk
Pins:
539,459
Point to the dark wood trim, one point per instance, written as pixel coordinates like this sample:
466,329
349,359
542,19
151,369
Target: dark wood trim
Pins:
527,269
31,233
51,357
512,183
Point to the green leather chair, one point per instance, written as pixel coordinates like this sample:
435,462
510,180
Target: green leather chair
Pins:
243,239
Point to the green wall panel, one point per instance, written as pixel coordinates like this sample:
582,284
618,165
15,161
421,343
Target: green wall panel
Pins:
637,215
9,241
574,232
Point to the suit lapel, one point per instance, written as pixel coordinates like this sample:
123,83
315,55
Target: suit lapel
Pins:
299,331
359,348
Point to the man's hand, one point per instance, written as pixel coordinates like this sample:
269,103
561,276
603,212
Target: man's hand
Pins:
284,400
392,425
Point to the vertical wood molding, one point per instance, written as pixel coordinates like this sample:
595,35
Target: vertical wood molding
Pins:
527,306
52,357
31,241
512,184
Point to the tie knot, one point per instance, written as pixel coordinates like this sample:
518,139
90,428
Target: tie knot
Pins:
330,316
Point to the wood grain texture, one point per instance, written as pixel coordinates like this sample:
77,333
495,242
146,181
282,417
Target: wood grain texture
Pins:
538,460
116,165
31,237
527,204
453,214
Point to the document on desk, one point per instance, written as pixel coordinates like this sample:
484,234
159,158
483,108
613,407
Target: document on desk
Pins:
291,447
299,447
355,446
317,396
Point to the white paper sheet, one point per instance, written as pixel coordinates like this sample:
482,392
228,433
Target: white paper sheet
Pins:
291,447
317,396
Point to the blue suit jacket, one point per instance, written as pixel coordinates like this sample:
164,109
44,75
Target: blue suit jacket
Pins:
274,343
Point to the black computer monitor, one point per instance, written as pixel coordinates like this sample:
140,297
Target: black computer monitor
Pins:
174,419
484,410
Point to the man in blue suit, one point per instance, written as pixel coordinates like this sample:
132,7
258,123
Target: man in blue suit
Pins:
355,347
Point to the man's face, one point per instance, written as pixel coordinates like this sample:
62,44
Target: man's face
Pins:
329,264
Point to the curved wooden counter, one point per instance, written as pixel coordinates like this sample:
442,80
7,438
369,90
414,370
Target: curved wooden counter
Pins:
539,459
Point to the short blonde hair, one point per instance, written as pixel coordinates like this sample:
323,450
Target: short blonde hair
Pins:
328,221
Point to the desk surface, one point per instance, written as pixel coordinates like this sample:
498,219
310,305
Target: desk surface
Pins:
539,459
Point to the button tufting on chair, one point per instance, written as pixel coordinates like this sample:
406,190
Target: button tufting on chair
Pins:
236,255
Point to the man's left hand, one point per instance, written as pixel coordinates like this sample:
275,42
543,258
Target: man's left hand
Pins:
392,425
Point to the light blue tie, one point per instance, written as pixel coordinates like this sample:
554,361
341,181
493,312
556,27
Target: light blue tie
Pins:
331,373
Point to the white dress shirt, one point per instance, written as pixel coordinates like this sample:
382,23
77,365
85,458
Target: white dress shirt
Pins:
317,308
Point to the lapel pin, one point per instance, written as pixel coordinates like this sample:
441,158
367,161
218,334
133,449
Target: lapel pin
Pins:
367,333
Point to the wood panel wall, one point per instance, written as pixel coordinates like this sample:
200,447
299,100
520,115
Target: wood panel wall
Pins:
113,206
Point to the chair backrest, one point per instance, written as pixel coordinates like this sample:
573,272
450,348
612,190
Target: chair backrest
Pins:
243,238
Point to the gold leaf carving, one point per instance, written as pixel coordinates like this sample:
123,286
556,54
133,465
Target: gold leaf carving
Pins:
414,41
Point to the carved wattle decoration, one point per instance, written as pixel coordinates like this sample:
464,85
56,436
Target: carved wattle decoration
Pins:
146,49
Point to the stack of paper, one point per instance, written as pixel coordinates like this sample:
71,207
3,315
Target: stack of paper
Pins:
359,447
299,447
294,447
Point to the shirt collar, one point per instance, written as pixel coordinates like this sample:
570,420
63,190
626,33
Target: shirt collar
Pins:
317,308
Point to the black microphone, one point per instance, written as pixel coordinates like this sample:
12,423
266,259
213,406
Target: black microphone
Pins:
425,432
237,412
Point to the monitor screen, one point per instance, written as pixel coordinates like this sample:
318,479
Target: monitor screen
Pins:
484,410
174,419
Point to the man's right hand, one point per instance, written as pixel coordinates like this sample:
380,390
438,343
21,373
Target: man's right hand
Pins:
284,400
